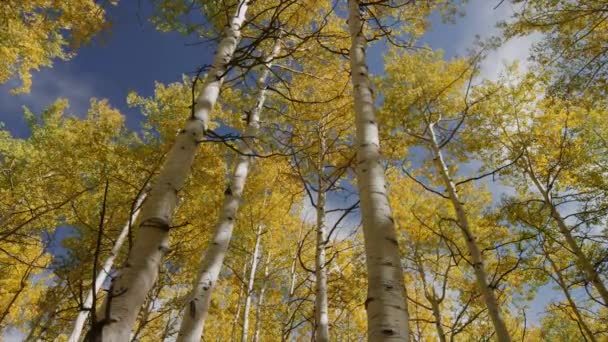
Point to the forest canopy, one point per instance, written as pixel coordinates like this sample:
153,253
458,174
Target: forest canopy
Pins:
294,170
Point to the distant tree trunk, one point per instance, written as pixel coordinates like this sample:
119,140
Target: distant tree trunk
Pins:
437,315
237,313
431,296
387,315
559,279
260,304
502,334
255,256
167,330
194,315
104,272
287,325
321,311
34,335
582,260
128,291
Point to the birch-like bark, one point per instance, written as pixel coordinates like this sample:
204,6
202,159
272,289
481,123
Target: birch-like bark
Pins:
502,334
128,291
432,298
387,315
255,256
104,272
193,319
168,326
321,311
437,315
583,262
559,279
237,313
260,303
286,326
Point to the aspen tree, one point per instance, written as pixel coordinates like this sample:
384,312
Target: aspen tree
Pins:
198,305
255,258
237,313
584,263
502,334
558,276
541,126
429,105
260,302
386,304
103,273
287,326
321,310
322,158
151,242
56,137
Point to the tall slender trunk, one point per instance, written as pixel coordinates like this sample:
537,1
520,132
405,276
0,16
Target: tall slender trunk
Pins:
128,291
255,257
286,326
193,319
167,329
321,311
104,272
34,334
582,260
437,315
431,296
559,279
260,303
387,315
502,334
237,313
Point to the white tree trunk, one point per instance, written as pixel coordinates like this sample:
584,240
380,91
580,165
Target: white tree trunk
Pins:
321,311
387,315
250,283
104,272
502,334
260,303
286,325
437,315
237,313
128,291
583,262
431,296
193,318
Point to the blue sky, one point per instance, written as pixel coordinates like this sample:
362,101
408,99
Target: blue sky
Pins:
131,57
134,55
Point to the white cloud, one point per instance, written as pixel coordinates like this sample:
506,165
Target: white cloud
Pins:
480,21
517,49
48,85
11,334
346,227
